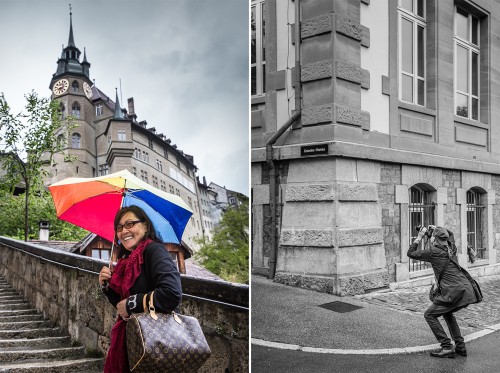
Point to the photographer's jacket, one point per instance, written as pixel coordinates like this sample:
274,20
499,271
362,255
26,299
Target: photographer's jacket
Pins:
456,289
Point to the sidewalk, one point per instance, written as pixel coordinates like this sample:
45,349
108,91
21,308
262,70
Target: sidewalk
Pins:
386,323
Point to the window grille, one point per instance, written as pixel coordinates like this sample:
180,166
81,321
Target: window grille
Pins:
421,211
475,231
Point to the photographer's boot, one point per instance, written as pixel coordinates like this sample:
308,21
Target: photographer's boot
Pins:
461,351
442,352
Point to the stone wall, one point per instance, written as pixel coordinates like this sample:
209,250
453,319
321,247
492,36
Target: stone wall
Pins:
64,287
390,176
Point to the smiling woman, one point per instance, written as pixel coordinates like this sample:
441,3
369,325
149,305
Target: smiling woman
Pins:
144,266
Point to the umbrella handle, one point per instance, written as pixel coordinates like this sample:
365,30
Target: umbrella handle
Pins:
111,257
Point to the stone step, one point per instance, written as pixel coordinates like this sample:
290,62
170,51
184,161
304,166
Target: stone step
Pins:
14,306
8,299
44,342
55,366
19,325
58,353
28,311
14,318
7,290
30,333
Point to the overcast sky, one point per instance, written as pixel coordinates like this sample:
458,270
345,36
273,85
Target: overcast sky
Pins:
185,63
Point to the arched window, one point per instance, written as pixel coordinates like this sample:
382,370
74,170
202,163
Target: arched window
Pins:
476,223
76,140
75,86
62,110
421,209
60,141
75,110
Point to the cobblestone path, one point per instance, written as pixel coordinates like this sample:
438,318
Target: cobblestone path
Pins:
415,301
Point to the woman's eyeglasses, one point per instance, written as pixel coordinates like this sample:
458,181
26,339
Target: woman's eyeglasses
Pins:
128,224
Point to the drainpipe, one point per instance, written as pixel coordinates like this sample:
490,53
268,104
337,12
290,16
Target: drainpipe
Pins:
273,191
273,175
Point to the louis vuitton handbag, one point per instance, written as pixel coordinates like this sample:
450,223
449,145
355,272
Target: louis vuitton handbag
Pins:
165,342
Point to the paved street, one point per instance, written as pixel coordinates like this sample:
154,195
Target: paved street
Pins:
483,358
292,331
415,301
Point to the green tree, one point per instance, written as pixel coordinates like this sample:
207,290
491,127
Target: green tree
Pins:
41,208
226,254
30,135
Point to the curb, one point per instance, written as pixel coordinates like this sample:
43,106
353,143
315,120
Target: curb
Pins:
381,351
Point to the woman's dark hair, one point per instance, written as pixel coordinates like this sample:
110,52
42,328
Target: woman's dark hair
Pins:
141,215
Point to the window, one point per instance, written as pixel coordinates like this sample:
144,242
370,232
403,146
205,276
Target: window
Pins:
101,254
466,64
62,110
76,140
190,202
144,176
258,48
134,171
99,109
163,186
138,153
475,220
103,169
150,144
412,25
155,181
171,189
421,211
165,153
75,86
75,110
122,135
109,139
159,166
60,141
145,156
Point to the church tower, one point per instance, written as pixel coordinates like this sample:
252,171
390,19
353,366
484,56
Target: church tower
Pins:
72,87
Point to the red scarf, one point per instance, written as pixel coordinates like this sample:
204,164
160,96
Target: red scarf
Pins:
124,275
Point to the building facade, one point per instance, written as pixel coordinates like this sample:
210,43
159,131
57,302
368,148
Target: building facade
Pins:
368,119
108,138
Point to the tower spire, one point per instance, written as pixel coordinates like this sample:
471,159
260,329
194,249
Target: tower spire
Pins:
118,109
71,41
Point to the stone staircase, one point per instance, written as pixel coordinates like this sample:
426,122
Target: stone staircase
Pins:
28,343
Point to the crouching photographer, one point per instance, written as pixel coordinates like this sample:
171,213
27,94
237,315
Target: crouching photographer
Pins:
452,291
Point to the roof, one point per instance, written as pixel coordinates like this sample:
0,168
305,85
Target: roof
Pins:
195,270
67,246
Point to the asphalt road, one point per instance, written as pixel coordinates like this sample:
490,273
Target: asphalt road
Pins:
483,357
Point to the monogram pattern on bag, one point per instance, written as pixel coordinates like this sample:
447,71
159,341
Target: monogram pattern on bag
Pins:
183,349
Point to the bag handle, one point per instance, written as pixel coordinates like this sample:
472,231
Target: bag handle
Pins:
152,311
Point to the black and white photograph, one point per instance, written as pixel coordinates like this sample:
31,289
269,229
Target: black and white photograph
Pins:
375,174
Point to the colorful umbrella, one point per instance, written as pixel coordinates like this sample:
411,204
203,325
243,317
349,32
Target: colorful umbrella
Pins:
92,203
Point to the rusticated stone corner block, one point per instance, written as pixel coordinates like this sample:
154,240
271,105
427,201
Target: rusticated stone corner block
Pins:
348,115
316,71
319,284
323,192
355,285
376,280
365,79
348,27
360,236
348,71
317,114
351,285
357,192
365,36
306,237
316,26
